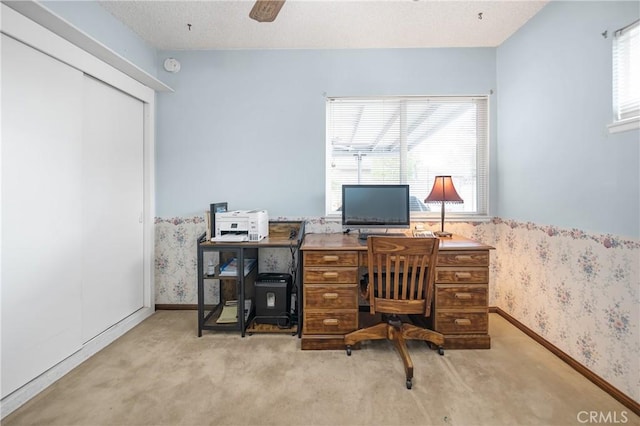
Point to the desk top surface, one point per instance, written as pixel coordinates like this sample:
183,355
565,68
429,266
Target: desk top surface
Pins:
281,234
265,242
350,242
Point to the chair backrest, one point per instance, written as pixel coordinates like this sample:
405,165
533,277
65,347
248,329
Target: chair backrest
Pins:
401,274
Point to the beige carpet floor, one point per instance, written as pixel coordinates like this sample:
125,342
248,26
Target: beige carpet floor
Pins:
161,373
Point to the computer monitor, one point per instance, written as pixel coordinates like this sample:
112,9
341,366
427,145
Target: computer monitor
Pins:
375,206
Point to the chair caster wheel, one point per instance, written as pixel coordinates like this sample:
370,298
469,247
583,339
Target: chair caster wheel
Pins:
441,350
349,350
409,383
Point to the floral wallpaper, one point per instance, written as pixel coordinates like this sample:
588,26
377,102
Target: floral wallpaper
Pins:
176,261
579,291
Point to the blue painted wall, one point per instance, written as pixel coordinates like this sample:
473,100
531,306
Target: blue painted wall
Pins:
248,127
95,21
557,162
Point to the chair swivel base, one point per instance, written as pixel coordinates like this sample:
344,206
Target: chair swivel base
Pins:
398,333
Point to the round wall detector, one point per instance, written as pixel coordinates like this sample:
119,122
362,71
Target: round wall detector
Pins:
171,65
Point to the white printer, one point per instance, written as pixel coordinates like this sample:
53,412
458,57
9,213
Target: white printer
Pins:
241,225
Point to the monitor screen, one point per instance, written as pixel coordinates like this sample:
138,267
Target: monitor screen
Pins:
375,206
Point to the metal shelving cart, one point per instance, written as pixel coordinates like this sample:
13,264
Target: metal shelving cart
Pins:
223,289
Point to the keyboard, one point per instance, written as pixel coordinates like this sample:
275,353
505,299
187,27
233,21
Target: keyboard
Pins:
231,238
363,236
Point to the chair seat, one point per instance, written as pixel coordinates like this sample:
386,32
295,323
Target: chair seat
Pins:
399,306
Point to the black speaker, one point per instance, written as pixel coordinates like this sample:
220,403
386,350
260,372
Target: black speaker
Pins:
273,298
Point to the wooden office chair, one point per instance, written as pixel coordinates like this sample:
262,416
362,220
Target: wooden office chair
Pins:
400,281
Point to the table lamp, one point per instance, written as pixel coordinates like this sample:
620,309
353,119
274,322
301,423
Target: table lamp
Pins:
443,191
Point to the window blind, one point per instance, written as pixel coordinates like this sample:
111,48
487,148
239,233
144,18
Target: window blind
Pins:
626,72
409,140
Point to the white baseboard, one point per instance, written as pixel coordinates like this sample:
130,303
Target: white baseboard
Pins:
20,396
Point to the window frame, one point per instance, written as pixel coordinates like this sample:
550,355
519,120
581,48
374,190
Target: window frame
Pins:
621,43
482,206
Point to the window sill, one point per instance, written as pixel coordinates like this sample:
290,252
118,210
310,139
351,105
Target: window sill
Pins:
624,125
450,217
426,217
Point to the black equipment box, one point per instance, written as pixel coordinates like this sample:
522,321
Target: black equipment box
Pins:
273,298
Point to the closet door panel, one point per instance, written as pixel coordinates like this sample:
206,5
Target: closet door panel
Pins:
113,198
41,213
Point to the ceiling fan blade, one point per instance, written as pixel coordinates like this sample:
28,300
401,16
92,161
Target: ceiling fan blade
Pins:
266,10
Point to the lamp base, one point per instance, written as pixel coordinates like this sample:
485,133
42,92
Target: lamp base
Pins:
443,234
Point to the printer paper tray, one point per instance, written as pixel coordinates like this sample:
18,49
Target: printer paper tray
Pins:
233,238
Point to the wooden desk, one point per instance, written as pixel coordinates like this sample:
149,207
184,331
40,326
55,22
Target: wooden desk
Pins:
333,264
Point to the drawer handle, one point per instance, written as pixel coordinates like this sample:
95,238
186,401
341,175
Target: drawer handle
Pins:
462,321
463,274
463,296
330,321
330,258
463,257
330,295
330,274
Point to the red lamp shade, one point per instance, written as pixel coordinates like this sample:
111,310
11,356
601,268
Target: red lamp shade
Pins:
443,190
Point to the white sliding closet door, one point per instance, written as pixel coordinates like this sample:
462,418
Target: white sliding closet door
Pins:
113,198
41,212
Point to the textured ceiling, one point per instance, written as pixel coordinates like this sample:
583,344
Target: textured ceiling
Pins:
324,24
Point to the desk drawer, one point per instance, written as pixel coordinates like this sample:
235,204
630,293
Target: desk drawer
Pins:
463,258
318,296
461,296
462,275
331,258
316,274
330,322
462,322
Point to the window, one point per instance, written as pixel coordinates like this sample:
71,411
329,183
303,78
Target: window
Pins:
626,78
409,140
